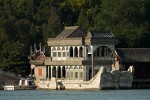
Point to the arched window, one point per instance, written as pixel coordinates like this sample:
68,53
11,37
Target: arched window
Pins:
103,51
76,52
81,52
59,72
71,52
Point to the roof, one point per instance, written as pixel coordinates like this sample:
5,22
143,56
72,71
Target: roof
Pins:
72,31
101,34
133,54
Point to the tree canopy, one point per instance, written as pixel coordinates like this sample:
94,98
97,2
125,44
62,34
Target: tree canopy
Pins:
25,22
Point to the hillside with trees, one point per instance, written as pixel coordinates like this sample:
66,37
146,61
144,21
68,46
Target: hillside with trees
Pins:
25,22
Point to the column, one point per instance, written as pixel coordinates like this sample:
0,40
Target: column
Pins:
61,71
66,72
78,51
78,72
48,72
51,51
51,72
66,51
69,72
56,71
73,51
84,73
73,72
85,51
92,62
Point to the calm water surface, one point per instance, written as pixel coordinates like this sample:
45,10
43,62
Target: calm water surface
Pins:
75,95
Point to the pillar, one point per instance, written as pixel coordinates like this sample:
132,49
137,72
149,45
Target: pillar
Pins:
69,72
66,72
92,62
85,51
51,51
66,51
51,72
73,72
48,72
78,73
84,73
56,71
78,51
73,51
56,51
61,71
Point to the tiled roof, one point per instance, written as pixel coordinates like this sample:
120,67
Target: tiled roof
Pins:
134,54
72,31
102,34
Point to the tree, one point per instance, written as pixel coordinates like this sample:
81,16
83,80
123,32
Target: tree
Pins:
126,18
54,25
84,19
11,56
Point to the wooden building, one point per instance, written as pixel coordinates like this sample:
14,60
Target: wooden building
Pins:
140,59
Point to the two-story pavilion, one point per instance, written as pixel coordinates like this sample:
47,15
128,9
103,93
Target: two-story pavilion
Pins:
75,55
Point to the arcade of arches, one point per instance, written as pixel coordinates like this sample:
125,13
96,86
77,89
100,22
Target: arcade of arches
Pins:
81,51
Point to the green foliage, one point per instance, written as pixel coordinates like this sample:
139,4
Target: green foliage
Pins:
126,18
54,25
24,22
11,54
84,19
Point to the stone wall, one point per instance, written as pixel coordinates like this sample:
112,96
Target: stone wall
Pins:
102,80
39,75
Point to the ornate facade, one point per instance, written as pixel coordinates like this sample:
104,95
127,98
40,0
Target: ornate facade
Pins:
74,55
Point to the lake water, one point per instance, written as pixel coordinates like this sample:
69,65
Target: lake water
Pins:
138,94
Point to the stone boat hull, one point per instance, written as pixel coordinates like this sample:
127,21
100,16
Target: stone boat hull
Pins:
102,80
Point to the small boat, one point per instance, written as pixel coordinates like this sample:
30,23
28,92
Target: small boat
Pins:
9,87
25,84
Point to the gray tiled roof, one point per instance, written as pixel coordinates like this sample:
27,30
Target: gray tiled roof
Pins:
72,31
134,54
102,34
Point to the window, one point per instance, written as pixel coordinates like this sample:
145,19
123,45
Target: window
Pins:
81,75
71,51
76,75
59,54
68,75
54,54
71,75
39,71
64,54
